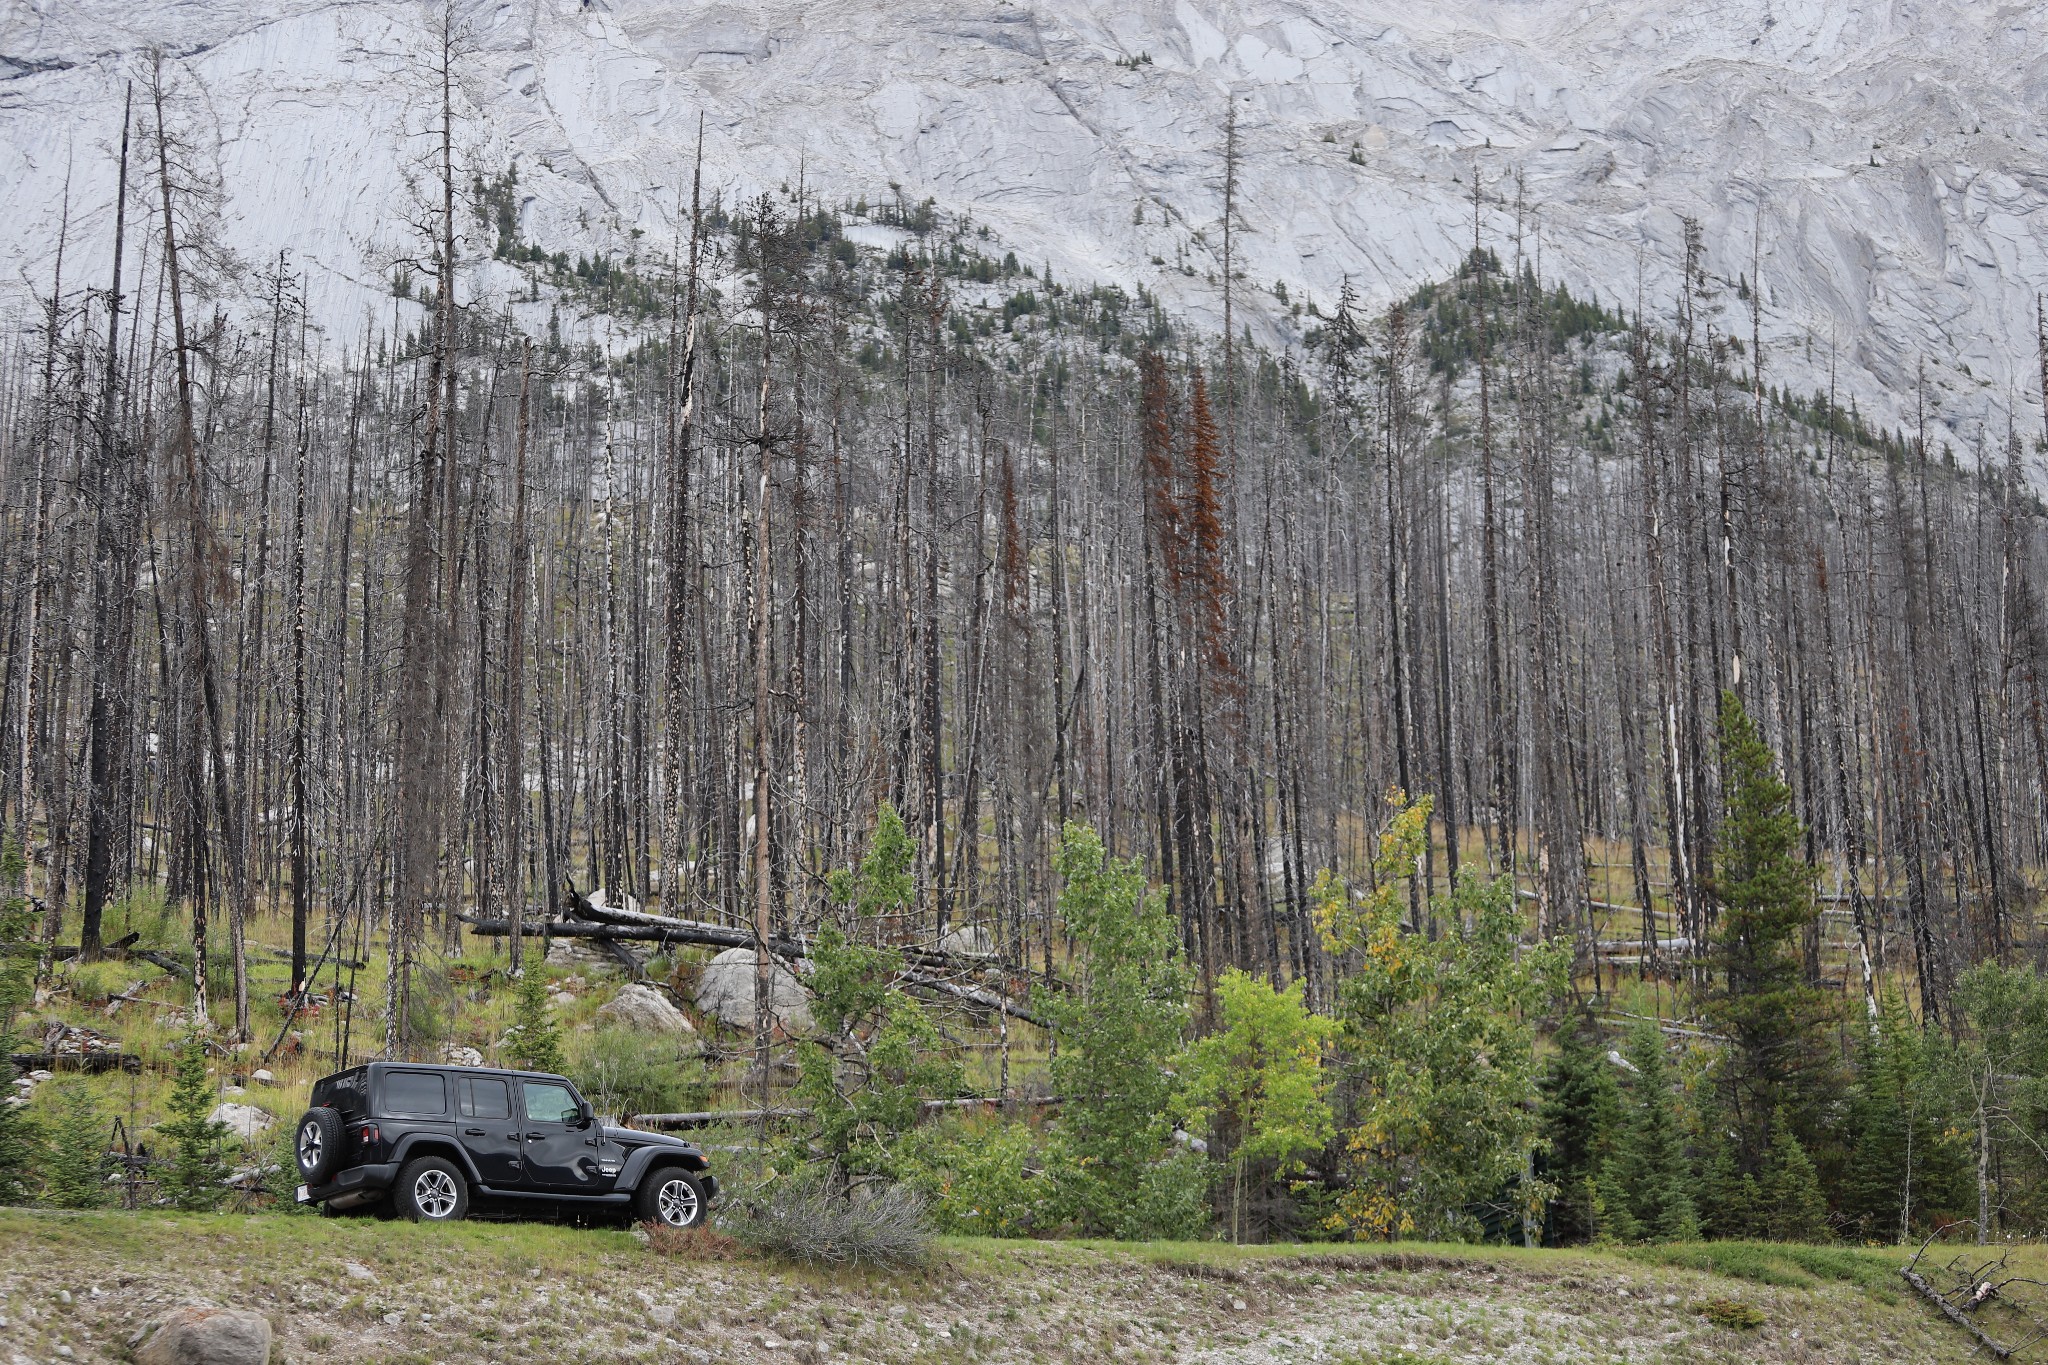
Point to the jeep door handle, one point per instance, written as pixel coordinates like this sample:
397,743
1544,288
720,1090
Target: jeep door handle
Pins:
535,1137
472,1132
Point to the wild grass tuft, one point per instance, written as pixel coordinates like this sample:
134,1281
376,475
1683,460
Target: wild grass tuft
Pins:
1733,1314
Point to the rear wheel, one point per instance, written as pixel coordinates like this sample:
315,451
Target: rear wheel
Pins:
431,1190
671,1197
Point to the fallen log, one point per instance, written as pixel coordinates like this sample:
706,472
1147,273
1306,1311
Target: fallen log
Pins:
974,995
124,950
583,908
707,1117
1953,1313
126,996
91,1063
720,936
1678,944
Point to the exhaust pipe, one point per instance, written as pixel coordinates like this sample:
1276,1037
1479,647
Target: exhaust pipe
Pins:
354,1199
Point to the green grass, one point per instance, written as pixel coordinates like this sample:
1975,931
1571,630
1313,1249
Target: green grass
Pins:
1784,1264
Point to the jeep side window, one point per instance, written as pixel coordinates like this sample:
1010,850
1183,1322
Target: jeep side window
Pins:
415,1092
484,1098
549,1102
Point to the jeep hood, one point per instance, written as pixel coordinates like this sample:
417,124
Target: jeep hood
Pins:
640,1137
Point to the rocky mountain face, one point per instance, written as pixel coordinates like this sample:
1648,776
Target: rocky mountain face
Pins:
1880,166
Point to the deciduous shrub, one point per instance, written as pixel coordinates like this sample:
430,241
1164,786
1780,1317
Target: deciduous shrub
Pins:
986,1179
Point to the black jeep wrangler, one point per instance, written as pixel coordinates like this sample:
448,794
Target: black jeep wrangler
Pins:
424,1141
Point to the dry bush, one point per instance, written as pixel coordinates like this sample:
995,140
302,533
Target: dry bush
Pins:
691,1244
800,1221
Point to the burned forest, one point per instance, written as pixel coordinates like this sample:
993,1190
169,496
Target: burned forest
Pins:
825,581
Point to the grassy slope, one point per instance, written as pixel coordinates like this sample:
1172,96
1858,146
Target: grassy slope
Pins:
546,1294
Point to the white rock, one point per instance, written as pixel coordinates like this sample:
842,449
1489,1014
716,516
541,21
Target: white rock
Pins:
725,991
39,1076
263,1076
646,1010
245,1121
394,1319
356,1270
462,1056
969,940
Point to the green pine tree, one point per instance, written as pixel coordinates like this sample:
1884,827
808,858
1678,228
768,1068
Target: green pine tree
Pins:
1908,1153
1729,1195
1649,1168
1792,1207
1610,1210
1582,1124
1778,1057
534,1042
197,1165
75,1164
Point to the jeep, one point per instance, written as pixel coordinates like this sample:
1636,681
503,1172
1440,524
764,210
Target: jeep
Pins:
425,1142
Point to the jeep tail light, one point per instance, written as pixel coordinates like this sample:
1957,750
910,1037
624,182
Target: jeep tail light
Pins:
369,1134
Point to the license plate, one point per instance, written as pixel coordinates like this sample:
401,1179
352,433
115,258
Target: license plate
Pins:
302,1195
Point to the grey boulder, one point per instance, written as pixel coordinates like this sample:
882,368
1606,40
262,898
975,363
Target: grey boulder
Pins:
206,1336
244,1121
644,1010
725,992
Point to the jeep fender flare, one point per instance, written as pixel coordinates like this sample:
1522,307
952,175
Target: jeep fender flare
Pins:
436,1144
644,1158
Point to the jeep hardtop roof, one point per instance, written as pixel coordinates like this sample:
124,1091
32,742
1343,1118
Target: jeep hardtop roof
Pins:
349,1089
454,1067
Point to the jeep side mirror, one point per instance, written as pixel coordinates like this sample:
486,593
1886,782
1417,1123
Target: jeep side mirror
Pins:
584,1117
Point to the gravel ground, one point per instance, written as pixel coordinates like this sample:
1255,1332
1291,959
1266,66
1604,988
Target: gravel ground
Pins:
364,1291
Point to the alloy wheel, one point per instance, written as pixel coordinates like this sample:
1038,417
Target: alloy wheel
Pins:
678,1203
434,1194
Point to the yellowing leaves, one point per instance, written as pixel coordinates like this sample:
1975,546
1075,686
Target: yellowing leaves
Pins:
1371,919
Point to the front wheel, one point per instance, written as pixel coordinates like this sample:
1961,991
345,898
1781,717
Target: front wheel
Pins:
671,1197
431,1190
